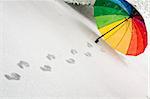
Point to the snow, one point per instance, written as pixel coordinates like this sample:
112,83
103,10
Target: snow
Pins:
31,30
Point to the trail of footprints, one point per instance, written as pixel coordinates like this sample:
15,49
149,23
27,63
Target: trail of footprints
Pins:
46,68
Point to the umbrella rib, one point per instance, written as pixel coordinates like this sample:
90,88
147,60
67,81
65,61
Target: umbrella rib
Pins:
113,16
122,36
97,40
115,32
137,36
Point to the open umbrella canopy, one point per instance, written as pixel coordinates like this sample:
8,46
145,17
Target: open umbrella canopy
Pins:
121,26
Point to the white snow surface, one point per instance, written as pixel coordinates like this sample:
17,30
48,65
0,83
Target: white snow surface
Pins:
30,30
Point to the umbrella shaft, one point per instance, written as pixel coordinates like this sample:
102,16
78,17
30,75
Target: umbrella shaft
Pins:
111,30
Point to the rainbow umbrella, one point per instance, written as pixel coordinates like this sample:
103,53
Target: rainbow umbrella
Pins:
121,26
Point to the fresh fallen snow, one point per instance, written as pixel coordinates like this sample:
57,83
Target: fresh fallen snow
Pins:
33,30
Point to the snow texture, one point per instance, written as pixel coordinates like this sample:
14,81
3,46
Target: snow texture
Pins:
47,51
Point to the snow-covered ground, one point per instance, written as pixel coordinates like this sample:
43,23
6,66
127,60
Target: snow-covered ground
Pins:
47,50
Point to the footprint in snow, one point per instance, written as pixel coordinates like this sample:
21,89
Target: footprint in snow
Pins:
50,57
74,52
89,45
12,76
70,61
46,68
88,54
23,64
